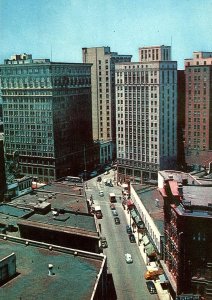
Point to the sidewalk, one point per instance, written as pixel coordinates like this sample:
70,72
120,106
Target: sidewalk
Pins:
162,294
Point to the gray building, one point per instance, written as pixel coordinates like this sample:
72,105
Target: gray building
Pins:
103,96
47,115
146,114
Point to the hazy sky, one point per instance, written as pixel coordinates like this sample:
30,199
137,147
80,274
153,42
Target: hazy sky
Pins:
36,26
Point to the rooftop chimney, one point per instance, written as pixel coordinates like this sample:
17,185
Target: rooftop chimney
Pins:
180,188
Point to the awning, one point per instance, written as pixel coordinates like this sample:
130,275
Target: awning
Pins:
163,192
133,213
130,202
145,240
138,222
163,279
150,250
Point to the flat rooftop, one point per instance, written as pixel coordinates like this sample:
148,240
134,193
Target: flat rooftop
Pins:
71,222
177,176
60,194
74,276
147,195
198,195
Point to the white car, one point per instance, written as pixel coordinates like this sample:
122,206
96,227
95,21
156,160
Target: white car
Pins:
101,193
128,258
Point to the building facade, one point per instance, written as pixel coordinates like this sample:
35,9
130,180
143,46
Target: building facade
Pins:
198,121
146,114
47,115
188,238
3,185
103,94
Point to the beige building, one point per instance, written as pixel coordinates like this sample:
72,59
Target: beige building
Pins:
103,95
146,114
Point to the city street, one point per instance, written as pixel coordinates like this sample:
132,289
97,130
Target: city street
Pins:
128,278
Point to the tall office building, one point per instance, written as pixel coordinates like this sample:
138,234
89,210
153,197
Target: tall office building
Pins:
146,117
47,115
103,96
198,122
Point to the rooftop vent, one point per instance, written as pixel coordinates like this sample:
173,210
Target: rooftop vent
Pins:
50,270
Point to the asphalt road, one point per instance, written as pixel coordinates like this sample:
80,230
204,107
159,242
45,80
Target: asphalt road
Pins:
128,278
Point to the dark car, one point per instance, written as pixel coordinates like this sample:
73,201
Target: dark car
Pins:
112,206
132,238
103,242
99,179
151,287
117,220
128,229
114,212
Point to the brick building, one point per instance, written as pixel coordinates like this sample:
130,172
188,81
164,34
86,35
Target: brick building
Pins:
198,121
188,237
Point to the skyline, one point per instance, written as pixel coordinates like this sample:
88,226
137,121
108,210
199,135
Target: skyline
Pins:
61,29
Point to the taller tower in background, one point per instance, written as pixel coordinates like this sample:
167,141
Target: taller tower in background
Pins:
103,96
146,100
198,122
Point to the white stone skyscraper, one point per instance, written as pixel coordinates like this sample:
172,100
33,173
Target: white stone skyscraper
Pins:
146,114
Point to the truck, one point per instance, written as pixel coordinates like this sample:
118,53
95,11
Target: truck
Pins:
112,197
98,212
153,274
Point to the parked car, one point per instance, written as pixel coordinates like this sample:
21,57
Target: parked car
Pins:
103,242
128,258
106,172
117,220
93,174
151,287
99,179
101,193
114,212
128,229
107,168
132,238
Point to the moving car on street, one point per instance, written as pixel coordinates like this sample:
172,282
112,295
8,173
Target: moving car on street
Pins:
112,206
101,193
112,197
128,258
117,220
114,212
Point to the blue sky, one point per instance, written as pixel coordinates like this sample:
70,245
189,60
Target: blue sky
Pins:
36,26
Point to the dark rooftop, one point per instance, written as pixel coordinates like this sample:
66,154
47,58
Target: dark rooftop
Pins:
148,194
74,276
62,195
74,223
